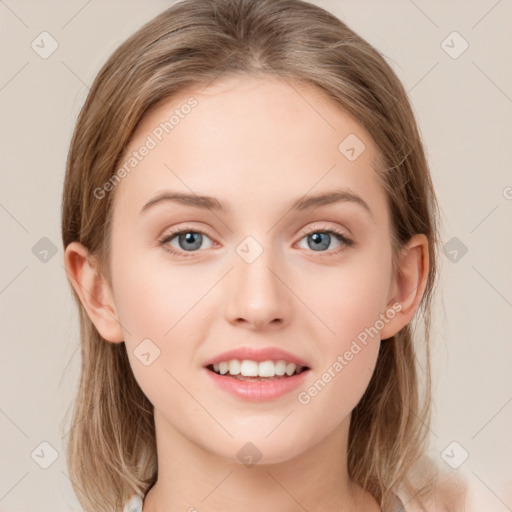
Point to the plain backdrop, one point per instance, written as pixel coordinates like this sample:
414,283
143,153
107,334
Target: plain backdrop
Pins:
454,60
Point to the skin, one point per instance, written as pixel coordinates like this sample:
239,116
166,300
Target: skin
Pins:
256,144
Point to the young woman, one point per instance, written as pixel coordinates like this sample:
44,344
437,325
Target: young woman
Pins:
250,230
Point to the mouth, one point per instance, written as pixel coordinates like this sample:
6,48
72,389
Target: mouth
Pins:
265,379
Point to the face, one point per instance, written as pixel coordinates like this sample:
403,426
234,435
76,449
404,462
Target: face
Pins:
260,272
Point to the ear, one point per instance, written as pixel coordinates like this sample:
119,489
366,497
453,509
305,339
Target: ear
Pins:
409,284
93,291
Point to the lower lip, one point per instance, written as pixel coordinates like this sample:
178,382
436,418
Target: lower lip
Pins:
258,391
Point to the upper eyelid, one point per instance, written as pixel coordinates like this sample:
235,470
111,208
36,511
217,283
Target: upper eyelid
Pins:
317,226
321,227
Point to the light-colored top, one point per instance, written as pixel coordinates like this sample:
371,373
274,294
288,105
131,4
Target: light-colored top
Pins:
135,504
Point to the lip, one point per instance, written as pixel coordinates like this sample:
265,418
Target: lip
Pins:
258,391
258,355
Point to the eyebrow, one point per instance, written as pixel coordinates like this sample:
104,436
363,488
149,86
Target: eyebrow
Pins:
302,203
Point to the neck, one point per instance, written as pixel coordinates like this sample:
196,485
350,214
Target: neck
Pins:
191,479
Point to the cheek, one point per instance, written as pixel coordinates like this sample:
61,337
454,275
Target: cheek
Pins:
349,305
350,298
349,353
162,313
159,327
152,300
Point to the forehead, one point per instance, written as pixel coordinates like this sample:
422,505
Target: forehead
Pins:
252,139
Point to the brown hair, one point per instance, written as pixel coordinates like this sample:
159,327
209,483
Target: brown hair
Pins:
111,449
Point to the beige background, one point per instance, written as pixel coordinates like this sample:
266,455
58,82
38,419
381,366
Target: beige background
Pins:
464,109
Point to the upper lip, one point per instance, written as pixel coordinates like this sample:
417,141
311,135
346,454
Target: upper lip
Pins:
258,355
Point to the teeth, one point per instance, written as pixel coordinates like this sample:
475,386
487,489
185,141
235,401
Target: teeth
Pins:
248,368
280,368
223,367
266,369
290,369
234,367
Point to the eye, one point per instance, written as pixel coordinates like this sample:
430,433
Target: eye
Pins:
188,240
320,239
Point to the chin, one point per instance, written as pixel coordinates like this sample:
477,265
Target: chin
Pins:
259,451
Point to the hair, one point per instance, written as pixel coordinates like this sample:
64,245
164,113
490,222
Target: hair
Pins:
111,450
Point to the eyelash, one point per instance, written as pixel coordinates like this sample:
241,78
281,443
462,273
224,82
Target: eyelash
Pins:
163,241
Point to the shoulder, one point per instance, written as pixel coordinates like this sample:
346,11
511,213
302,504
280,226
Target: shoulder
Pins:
448,494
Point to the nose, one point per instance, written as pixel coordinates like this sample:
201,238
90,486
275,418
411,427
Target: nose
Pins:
258,295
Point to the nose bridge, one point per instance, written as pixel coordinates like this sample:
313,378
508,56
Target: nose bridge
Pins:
257,294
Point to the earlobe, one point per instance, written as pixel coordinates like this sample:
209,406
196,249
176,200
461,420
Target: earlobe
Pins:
93,291
409,285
